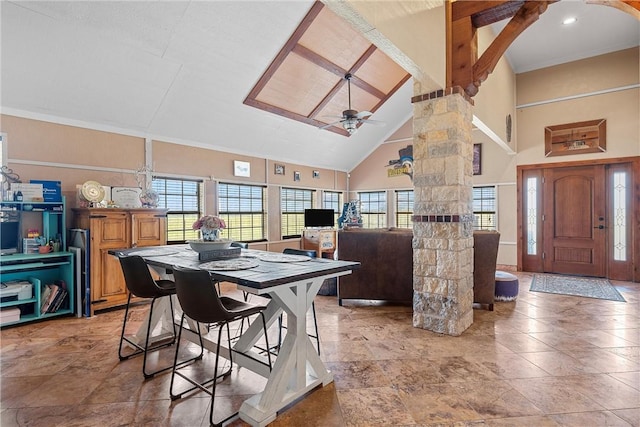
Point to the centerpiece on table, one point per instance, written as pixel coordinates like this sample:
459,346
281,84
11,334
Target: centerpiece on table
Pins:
209,227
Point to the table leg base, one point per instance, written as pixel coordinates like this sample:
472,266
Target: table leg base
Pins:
252,413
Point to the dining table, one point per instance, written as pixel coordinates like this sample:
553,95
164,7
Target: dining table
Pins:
290,282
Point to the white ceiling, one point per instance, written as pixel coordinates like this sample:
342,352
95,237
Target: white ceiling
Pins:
179,70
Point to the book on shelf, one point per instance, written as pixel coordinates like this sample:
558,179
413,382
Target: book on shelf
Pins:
57,303
53,295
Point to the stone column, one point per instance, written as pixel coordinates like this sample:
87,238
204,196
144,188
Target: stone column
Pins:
443,211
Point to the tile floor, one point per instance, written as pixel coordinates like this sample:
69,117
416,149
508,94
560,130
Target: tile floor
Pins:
544,360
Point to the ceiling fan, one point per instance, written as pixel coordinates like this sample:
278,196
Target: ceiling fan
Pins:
351,118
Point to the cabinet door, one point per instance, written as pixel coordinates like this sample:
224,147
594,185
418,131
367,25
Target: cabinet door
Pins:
110,231
149,229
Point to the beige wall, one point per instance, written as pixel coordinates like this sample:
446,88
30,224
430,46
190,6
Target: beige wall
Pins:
490,109
620,108
74,155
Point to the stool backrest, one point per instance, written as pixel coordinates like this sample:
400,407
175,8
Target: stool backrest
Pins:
308,252
198,297
137,277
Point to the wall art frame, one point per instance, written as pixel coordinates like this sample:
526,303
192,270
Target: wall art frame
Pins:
241,168
477,159
576,138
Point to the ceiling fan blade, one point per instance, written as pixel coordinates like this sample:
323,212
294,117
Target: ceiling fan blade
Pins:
373,122
363,114
330,124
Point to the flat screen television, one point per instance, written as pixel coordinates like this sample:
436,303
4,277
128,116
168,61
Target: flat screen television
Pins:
9,237
319,218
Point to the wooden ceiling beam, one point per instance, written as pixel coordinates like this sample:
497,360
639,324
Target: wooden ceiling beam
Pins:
527,15
627,6
464,69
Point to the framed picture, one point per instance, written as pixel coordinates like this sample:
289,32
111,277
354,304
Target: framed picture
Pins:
477,159
316,174
241,168
278,169
576,138
296,176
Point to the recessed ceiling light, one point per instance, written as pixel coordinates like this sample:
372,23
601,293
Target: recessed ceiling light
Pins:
569,21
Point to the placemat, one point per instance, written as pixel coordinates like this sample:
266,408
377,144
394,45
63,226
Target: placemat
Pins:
153,252
276,257
230,264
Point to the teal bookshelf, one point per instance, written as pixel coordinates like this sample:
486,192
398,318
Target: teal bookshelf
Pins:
39,270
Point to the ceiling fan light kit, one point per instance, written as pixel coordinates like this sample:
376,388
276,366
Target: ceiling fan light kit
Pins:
351,118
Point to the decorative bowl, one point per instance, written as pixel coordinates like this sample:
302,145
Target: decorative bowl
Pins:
208,245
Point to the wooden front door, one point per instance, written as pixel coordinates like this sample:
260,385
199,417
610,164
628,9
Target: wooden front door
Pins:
575,220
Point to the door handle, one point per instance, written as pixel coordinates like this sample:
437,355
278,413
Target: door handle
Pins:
600,227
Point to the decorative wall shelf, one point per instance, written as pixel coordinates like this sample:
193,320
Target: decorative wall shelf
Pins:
576,138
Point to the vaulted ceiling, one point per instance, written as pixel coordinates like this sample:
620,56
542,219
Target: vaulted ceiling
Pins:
181,71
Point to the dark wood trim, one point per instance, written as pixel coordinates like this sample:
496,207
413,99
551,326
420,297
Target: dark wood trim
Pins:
635,222
318,60
581,163
286,49
294,116
463,18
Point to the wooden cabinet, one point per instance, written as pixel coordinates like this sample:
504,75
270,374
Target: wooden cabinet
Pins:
116,229
323,241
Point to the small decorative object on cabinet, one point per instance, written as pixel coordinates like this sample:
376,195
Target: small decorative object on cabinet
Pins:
28,279
116,229
323,241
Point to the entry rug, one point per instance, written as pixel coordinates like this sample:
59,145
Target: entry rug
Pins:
577,286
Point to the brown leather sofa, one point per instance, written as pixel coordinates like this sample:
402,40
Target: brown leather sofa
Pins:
485,255
386,270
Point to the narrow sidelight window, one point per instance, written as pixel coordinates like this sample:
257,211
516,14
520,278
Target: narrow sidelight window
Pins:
620,216
532,215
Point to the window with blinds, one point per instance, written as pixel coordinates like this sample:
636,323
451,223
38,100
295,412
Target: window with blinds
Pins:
183,200
293,202
404,208
484,208
332,200
373,209
242,207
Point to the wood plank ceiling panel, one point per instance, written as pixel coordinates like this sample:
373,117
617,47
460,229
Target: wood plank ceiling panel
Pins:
306,81
287,90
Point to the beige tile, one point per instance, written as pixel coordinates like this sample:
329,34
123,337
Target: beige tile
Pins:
358,374
554,395
558,364
522,343
496,399
582,419
439,403
411,375
631,379
533,421
632,416
604,361
369,406
507,365
605,390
